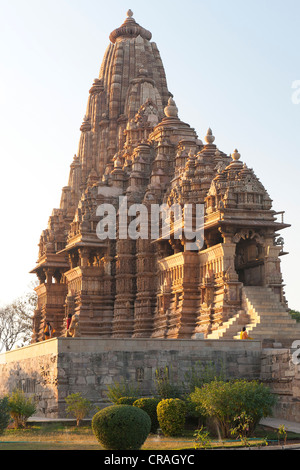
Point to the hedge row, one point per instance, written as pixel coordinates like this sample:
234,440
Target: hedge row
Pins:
234,405
168,414
127,425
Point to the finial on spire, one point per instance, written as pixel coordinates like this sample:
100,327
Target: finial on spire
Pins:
209,138
130,13
236,155
171,110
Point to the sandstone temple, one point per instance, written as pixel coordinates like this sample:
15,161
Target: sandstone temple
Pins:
133,144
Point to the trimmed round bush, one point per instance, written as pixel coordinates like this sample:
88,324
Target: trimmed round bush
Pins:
126,400
171,416
149,405
121,427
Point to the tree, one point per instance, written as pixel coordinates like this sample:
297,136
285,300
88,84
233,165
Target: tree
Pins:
295,315
21,408
78,406
16,321
4,414
226,401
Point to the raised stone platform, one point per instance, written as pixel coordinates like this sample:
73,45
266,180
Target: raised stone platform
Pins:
53,369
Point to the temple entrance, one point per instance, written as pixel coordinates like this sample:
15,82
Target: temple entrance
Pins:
249,262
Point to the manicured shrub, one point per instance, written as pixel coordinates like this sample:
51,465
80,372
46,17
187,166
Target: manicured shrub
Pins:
21,408
126,400
171,416
121,427
149,405
78,406
4,414
225,401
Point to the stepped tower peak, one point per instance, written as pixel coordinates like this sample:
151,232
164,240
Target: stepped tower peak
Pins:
129,29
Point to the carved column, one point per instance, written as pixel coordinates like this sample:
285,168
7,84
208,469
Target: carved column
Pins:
125,261
146,289
273,276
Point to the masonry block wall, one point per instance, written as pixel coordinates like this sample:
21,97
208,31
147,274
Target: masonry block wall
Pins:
280,372
53,369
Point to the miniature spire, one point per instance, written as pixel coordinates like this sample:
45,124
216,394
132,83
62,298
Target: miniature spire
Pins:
117,161
235,162
218,156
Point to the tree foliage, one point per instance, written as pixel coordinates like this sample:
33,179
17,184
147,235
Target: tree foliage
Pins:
165,387
295,315
121,389
16,321
21,408
78,406
224,401
4,414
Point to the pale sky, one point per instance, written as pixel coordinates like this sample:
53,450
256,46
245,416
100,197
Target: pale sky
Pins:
230,65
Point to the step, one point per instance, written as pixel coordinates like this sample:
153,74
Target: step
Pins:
276,316
264,301
273,321
231,327
268,311
260,329
265,319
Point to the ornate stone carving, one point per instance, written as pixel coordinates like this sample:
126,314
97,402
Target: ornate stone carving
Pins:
74,329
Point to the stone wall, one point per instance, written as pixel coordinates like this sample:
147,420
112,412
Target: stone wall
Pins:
53,369
282,375
33,369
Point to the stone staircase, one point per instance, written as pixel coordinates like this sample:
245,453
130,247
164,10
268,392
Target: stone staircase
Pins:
264,317
270,320
231,328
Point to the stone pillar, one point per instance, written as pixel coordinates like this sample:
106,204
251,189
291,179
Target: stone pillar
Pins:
123,320
273,277
146,281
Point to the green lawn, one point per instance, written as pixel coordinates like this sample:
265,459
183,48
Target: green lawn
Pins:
67,437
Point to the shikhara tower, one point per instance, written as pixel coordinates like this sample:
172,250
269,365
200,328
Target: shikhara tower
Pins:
134,144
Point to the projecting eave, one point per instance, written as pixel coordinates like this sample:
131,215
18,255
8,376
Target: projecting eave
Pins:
245,219
239,222
84,242
256,223
52,260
